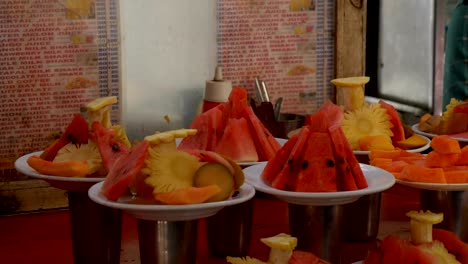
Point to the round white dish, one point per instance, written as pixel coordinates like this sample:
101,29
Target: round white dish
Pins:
416,150
169,212
436,186
61,182
377,179
429,135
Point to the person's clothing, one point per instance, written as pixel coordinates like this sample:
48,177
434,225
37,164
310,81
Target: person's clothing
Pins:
456,55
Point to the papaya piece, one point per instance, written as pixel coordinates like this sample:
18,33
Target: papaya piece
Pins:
424,118
379,162
445,144
388,154
456,176
215,173
189,195
382,142
463,157
73,168
412,142
435,159
416,173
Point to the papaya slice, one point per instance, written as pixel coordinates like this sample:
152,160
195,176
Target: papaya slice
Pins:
416,173
189,195
445,144
463,157
73,168
435,159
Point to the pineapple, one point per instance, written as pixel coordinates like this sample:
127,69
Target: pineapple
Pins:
84,152
369,120
451,122
99,110
167,168
246,260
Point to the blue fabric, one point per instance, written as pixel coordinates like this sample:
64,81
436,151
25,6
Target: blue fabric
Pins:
456,55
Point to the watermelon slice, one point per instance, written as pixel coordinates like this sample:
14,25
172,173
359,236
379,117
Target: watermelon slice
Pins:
344,180
286,179
109,148
125,171
199,141
398,130
76,133
317,171
334,114
237,142
274,166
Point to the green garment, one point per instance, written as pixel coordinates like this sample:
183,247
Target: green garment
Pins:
456,55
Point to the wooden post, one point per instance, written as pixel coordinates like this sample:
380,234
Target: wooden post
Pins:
350,45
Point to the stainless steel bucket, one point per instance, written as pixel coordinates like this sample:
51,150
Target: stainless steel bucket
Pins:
362,218
167,242
454,206
318,229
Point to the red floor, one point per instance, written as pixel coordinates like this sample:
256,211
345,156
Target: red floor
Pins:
45,237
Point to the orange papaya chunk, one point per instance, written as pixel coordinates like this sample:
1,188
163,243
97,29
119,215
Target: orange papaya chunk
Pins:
435,159
463,157
189,195
416,173
73,168
388,154
456,176
445,144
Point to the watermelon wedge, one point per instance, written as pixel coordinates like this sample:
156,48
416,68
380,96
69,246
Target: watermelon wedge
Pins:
397,129
317,171
237,142
275,165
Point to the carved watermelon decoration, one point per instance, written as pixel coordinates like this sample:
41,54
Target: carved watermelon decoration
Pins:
221,129
321,159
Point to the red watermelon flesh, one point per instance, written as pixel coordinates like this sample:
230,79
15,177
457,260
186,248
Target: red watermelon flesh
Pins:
317,169
344,176
215,128
286,179
76,133
200,140
393,249
334,114
125,171
266,144
303,257
397,129
109,148
274,166
237,142
318,122
452,243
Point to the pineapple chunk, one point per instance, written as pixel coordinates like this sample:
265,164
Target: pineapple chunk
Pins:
168,136
436,248
421,225
350,81
85,152
282,246
100,103
246,260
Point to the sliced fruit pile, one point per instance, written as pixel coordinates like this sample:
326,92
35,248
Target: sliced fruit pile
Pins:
317,159
281,252
453,121
446,163
84,151
171,176
427,245
379,126
232,129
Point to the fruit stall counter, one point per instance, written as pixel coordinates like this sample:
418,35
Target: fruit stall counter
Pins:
45,236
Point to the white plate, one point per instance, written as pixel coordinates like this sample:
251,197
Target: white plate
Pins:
436,186
429,135
169,212
377,179
244,164
416,150
61,182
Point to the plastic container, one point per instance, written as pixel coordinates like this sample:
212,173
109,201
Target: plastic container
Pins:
216,91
